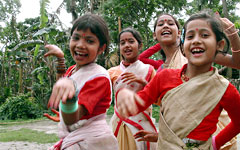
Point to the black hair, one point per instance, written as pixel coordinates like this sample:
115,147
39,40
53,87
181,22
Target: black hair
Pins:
175,20
134,32
214,23
155,25
97,26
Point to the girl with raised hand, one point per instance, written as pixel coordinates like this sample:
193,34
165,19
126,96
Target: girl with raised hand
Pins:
192,97
133,75
83,92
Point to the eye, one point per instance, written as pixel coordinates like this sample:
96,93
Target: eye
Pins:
189,36
75,38
131,41
205,35
122,42
89,41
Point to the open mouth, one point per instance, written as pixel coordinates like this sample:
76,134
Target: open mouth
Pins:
128,51
81,54
197,51
166,33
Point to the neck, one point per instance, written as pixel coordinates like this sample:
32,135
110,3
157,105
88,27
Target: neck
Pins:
192,71
169,50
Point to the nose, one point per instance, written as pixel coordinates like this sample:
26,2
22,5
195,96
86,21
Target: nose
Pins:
81,44
196,39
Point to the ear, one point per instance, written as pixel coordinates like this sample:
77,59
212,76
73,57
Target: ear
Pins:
154,36
102,49
179,34
220,45
140,46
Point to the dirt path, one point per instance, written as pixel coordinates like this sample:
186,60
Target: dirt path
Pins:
47,126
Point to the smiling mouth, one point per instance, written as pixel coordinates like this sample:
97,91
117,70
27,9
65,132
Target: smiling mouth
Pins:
80,54
197,51
166,33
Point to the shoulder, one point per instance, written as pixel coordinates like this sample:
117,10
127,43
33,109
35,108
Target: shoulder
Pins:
112,69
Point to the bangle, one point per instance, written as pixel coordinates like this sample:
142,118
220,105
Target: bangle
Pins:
69,107
235,51
233,33
227,30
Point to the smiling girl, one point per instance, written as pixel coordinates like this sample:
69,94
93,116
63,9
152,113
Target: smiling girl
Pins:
133,75
193,97
83,92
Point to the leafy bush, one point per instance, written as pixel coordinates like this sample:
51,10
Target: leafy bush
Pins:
20,107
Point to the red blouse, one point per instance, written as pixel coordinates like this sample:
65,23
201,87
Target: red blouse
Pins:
95,95
168,79
144,56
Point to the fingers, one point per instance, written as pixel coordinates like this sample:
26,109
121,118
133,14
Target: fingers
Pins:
55,112
126,104
62,90
139,100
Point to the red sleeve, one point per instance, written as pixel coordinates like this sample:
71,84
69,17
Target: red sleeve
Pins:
95,96
231,103
144,56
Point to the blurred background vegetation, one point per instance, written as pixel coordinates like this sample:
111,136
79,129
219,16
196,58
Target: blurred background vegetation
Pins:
27,78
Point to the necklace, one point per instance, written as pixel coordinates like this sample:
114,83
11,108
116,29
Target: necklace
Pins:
183,76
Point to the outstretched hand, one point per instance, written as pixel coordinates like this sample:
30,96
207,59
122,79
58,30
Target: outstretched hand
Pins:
130,77
62,90
54,50
127,103
144,135
53,118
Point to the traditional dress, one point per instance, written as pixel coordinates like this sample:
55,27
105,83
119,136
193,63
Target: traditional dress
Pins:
177,61
191,109
124,129
91,132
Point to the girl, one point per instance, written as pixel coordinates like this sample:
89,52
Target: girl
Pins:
83,93
166,31
133,75
192,97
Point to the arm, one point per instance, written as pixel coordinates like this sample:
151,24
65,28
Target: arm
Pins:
53,50
144,56
233,60
231,103
130,103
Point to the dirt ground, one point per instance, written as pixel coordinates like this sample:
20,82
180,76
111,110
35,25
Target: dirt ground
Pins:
47,126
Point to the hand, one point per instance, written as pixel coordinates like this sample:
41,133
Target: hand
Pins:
126,103
214,143
225,22
130,77
53,118
62,90
53,50
144,135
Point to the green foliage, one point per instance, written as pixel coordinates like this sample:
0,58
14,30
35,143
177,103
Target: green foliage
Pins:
155,112
20,107
27,135
110,111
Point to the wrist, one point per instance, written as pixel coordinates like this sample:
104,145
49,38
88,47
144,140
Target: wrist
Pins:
61,67
69,107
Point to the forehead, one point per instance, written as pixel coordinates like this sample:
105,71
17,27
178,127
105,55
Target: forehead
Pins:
165,17
126,35
85,32
198,24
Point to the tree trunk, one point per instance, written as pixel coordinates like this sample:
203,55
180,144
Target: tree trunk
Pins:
225,11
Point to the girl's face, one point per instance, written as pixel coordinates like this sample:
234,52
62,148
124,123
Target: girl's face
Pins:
84,47
166,31
200,43
129,47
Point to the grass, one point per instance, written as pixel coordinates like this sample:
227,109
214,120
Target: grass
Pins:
27,135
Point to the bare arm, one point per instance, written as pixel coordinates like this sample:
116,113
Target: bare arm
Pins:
233,60
53,50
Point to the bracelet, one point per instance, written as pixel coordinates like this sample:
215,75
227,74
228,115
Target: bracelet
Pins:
233,33
235,51
69,107
227,30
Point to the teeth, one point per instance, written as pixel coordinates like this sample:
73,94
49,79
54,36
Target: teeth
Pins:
165,32
80,53
197,50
